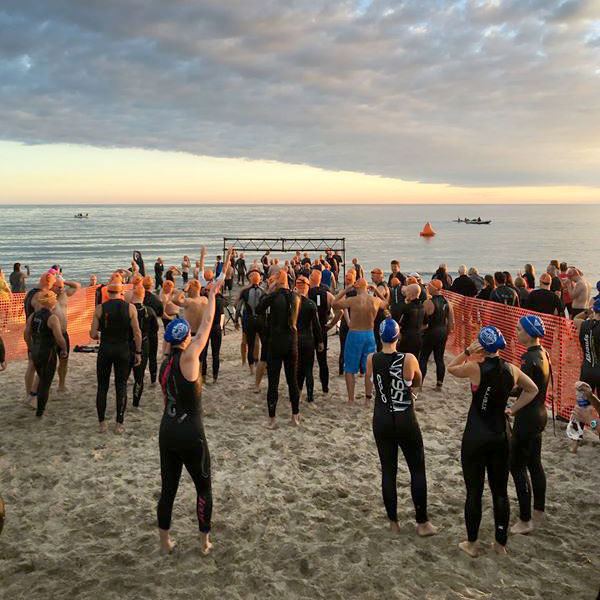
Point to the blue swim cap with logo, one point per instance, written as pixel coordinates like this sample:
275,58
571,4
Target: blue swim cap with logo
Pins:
177,330
491,339
533,326
389,331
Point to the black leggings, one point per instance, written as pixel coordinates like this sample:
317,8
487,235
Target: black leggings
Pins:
526,456
216,337
289,362
138,372
184,276
343,336
434,340
111,355
44,361
410,342
401,429
176,450
240,277
251,327
153,353
322,360
476,458
306,361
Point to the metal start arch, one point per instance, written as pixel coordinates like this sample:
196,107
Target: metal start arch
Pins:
285,245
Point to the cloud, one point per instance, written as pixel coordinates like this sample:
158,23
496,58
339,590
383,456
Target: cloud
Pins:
470,92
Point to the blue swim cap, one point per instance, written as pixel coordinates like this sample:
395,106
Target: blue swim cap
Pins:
533,326
491,339
177,330
596,306
389,331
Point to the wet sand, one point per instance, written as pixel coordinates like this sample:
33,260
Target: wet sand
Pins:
297,511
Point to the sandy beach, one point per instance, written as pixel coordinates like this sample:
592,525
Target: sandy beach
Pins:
297,511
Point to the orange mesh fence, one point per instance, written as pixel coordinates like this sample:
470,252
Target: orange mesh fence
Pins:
12,321
561,341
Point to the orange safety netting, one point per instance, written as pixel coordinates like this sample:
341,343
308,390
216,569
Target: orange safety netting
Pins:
12,321
561,341
470,315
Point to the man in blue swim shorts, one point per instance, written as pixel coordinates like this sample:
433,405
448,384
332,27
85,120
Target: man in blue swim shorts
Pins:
360,341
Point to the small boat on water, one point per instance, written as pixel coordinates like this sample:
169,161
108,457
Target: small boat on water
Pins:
81,216
477,221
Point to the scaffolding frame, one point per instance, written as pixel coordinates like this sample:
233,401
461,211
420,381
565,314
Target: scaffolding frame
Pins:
285,245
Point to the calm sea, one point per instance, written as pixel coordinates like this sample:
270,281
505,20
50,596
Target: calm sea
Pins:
43,235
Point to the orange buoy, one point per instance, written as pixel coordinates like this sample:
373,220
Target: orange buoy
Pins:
427,231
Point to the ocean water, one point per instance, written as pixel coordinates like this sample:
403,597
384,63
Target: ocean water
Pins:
43,235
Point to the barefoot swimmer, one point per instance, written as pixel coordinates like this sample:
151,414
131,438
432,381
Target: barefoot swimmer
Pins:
181,437
395,424
485,440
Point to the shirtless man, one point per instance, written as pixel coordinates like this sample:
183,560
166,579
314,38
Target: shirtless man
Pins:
63,290
579,290
93,280
171,300
194,306
360,341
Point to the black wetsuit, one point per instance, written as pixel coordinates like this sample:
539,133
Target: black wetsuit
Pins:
379,317
43,354
589,338
395,424
504,294
240,266
146,316
252,324
485,448
399,276
319,296
309,337
2,351
435,338
114,352
159,269
410,316
155,304
182,442
526,439
344,328
215,339
544,301
282,346
464,286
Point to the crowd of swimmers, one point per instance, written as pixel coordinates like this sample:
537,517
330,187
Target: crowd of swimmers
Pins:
388,330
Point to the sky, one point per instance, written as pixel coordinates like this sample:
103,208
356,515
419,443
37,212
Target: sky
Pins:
300,101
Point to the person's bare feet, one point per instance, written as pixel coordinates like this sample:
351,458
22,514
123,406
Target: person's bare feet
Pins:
522,527
102,427
257,389
539,516
426,529
119,428
573,445
296,420
470,548
500,549
153,384
438,388
271,424
368,400
206,545
167,543
33,402
394,527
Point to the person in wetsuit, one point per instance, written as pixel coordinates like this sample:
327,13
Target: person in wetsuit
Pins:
111,323
410,316
395,424
323,299
485,440
587,323
145,317
152,301
252,323
310,338
439,318
159,269
43,334
530,421
378,281
181,438
216,334
241,269
282,306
